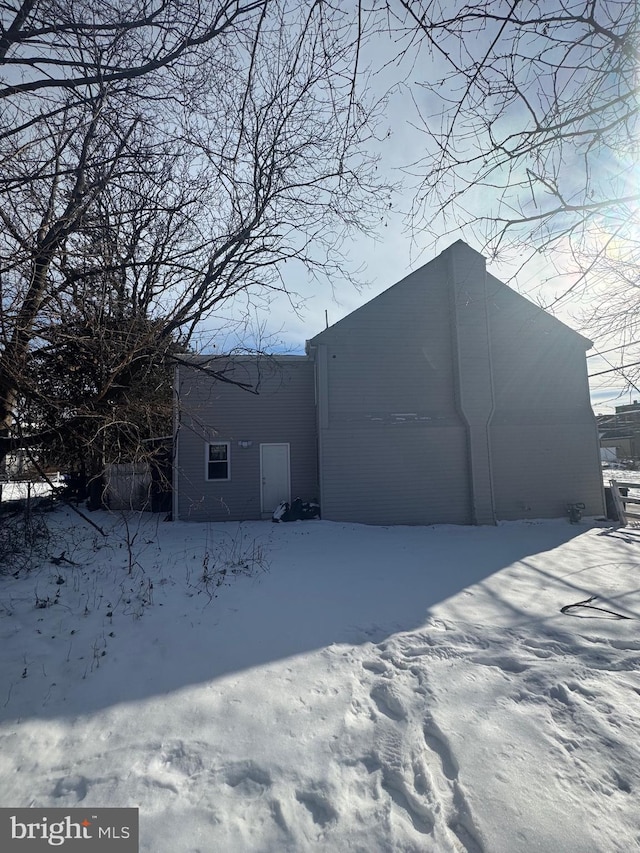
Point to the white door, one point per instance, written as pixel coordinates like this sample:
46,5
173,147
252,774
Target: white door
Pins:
274,472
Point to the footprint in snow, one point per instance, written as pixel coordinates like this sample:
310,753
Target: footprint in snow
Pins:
387,701
318,805
73,786
504,662
179,759
377,666
433,739
248,778
418,811
467,839
459,821
409,800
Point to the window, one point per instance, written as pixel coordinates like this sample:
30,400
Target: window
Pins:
218,461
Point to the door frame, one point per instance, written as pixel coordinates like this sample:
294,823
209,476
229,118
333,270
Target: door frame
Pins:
274,444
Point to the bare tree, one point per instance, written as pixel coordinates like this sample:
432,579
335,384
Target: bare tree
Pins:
529,110
69,45
157,160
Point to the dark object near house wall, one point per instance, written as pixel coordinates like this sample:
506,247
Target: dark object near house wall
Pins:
575,512
78,487
299,510
75,486
95,498
161,475
612,512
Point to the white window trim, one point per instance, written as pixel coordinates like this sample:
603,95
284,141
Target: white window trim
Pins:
208,479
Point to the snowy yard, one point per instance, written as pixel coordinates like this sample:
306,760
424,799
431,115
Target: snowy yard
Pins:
350,688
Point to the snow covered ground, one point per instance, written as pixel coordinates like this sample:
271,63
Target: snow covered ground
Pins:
330,687
14,491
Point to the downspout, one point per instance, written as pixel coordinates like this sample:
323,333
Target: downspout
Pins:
319,355
474,394
175,471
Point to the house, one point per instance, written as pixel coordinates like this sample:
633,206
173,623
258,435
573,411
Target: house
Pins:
620,433
448,398
238,454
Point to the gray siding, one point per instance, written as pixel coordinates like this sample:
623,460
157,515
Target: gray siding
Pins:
394,353
392,443
537,471
450,398
282,412
543,431
396,475
447,399
473,376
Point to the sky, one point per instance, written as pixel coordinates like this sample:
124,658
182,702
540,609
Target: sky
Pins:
401,244
401,247
284,327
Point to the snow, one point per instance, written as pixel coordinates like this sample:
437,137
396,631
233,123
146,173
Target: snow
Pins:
620,475
317,686
13,491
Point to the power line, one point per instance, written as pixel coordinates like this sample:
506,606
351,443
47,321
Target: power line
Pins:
620,346
614,369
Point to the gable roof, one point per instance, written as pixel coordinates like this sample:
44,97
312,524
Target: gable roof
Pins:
457,249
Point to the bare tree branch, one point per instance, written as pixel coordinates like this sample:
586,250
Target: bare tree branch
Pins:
160,160
531,126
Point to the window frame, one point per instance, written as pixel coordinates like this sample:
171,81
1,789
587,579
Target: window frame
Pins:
208,461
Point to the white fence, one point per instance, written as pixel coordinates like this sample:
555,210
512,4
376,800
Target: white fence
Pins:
627,506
